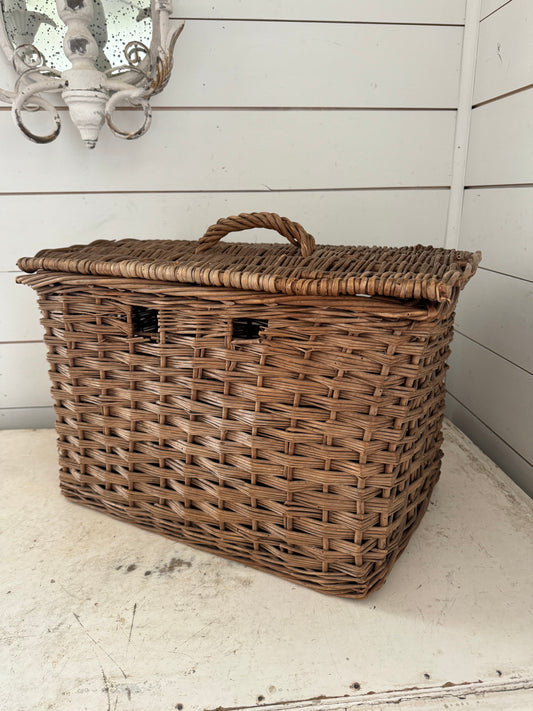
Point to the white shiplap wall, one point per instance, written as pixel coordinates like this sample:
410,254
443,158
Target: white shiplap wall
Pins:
490,382
339,114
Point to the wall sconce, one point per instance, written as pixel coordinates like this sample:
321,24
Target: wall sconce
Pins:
118,52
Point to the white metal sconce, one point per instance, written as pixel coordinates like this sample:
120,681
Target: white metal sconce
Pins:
99,35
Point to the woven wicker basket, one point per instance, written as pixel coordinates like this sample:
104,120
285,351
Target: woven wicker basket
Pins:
251,399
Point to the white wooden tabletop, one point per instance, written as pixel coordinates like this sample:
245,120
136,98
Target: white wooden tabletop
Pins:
97,614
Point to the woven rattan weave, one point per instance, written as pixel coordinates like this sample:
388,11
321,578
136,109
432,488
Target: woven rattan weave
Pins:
277,405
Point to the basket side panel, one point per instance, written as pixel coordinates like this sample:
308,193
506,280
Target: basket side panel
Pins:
53,323
302,440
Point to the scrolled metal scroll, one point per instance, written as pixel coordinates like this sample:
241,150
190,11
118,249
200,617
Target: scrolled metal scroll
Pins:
30,101
29,56
135,98
135,53
164,63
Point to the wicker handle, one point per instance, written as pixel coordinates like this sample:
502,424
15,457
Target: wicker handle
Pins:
294,232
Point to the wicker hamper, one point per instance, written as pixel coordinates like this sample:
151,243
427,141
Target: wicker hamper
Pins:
279,405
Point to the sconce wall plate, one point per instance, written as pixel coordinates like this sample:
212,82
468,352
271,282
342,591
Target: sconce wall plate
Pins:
97,31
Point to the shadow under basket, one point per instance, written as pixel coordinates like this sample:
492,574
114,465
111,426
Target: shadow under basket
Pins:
277,405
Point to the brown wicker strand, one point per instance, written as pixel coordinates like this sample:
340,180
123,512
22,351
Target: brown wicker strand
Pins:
293,231
429,273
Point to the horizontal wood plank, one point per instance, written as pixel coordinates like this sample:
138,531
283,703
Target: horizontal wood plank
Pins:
501,149
24,376
497,312
22,418
505,51
498,222
384,217
496,391
300,64
20,322
297,64
520,471
198,150
424,11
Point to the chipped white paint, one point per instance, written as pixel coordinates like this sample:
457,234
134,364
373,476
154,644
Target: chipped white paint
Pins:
97,614
91,95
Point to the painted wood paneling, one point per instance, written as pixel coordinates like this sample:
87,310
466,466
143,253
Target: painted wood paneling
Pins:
497,311
505,51
24,375
493,389
499,393
385,217
302,64
198,150
462,122
419,11
498,221
501,149
490,6
20,321
27,418
494,447
307,64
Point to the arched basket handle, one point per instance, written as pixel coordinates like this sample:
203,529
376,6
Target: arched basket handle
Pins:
294,232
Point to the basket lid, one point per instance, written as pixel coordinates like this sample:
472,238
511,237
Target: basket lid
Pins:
301,268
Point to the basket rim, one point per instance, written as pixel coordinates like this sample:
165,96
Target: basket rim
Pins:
420,272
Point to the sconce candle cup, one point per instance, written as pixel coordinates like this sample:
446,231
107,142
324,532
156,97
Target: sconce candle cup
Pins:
118,53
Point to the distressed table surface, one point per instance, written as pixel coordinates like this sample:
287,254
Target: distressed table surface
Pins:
99,615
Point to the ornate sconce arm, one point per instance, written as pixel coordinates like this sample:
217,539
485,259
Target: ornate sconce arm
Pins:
136,97
37,102
164,61
29,61
91,90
